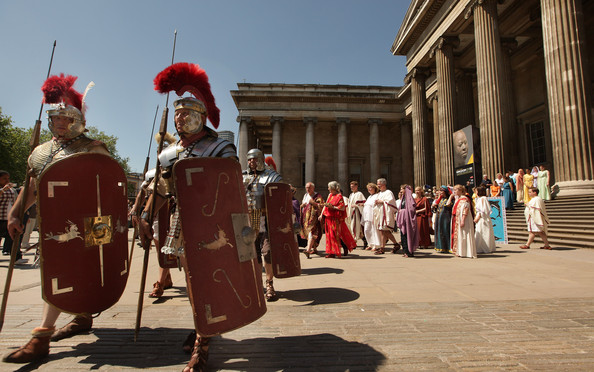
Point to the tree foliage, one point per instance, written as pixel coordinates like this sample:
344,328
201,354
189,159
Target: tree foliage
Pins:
14,147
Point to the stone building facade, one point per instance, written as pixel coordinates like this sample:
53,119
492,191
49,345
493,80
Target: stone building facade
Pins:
519,70
321,133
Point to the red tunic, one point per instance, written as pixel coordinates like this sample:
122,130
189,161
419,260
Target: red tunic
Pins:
336,228
423,221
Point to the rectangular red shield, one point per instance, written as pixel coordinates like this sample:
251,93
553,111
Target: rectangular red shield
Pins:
166,261
284,249
224,278
83,233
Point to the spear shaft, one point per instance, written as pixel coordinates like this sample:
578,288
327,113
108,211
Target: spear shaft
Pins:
153,202
21,212
146,164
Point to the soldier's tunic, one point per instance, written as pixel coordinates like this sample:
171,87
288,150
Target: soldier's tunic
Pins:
255,182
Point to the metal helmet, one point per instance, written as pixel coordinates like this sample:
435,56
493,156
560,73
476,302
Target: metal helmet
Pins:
194,122
75,128
65,102
259,155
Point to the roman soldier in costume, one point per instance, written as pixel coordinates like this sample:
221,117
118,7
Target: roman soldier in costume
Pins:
67,125
164,282
255,179
200,143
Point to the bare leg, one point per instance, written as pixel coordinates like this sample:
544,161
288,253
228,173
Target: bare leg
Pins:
268,270
543,236
531,237
163,273
50,315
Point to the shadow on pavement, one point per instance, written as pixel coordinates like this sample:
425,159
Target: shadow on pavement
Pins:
161,347
321,271
320,352
320,296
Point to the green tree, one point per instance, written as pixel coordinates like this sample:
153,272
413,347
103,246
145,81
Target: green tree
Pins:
14,147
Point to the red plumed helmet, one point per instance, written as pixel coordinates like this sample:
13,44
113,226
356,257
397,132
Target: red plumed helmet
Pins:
187,77
270,162
59,89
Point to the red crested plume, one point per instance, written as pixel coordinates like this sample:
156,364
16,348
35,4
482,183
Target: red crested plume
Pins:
187,77
270,162
57,89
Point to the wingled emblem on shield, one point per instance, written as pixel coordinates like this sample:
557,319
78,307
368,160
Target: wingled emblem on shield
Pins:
82,200
224,276
284,249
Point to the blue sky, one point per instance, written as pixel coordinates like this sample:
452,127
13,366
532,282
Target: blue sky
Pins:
122,45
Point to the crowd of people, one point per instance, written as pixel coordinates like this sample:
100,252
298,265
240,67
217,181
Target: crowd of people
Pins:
513,186
459,221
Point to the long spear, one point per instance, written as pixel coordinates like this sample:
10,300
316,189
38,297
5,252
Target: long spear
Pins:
146,164
17,241
153,202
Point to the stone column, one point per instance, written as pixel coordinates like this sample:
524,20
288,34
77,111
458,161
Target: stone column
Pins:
438,176
276,123
416,78
489,69
310,156
343,156
374,151
510,126
407,152
444,60
465,100
569,94
244,140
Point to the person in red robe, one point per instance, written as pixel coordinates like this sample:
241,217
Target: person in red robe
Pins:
334,213
423,216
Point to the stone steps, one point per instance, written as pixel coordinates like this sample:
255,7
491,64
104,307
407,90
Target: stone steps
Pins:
572,222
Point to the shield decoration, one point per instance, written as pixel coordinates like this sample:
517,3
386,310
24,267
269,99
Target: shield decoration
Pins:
83,233
166,261
224,278
284,250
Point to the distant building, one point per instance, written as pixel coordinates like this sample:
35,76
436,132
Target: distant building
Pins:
321,133
227,134
134,182
518,70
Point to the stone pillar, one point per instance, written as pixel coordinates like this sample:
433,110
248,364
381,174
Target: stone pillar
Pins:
277,143
465,100
343,156
244,140
374,151
489,69
310,155
407,152
438,176
510,126
569,94
416,78
444,60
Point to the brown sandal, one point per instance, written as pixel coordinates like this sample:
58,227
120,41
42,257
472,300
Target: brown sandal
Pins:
157,290
36,349
525,247
379,251
199,357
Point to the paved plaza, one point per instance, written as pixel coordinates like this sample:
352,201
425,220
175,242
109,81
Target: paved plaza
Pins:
520,310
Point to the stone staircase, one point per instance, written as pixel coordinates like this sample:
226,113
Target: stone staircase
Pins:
572,223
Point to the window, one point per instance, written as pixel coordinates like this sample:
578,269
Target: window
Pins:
355,172
536,143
